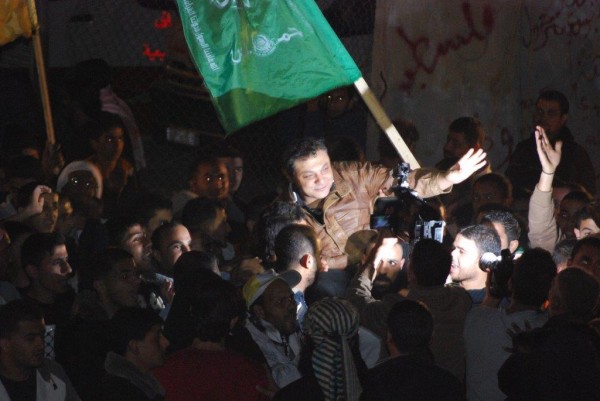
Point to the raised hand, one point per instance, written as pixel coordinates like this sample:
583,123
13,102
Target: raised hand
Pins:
549,155
466,166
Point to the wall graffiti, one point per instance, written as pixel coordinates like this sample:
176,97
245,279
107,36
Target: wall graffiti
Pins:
575,18
421,47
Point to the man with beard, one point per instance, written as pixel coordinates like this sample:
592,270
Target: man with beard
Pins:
524,169
272,322
374,290
297,249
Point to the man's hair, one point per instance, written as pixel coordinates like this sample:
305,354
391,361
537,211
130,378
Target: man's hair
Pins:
202,161
563,250
532,277
556,96
508,220
188,263
272,220
197,212
292,242
131,324
213,306
117,226
39,246
224,150
591,211
101,124
579,293
101,266
578,196
499,181
161,232
15,312
144,205
486,238
411,325
25,193
300,149
591,241
471,128
430,263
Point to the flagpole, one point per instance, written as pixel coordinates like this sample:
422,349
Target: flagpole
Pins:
41,69
384,122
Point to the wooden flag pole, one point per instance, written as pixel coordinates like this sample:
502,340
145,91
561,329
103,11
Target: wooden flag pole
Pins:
384,122
41,70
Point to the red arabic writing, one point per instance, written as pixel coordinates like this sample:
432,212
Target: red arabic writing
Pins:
420,46
165,21
573,18
153,55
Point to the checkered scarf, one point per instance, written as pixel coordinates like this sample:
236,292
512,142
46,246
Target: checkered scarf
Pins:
330,323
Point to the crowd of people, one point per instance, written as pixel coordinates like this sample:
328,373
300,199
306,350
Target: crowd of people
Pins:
110,292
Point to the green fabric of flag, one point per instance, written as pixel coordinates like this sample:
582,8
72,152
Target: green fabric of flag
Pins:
258,57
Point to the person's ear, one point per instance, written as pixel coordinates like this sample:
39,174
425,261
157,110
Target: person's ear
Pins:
306,260
513,246
32,272
233,322
133,347
258,311
99,286
564,118
577,233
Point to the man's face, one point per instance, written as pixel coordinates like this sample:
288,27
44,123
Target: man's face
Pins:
313,176
109,146
588,259
586,227
337,102
279,307
235,169
122,284
174,244
25,347
137,244
161,216
465,260
81,183
153,348
547,115
391,265
456,145
54,271
211,181
485,193
566,216
45,222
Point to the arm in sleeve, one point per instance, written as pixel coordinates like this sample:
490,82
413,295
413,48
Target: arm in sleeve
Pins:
542,224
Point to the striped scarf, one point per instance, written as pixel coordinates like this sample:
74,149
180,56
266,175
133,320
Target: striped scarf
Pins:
330,323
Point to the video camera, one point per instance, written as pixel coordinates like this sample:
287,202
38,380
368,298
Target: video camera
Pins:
406,211
501,268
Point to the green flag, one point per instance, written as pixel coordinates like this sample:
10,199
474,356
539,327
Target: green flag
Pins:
258,57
